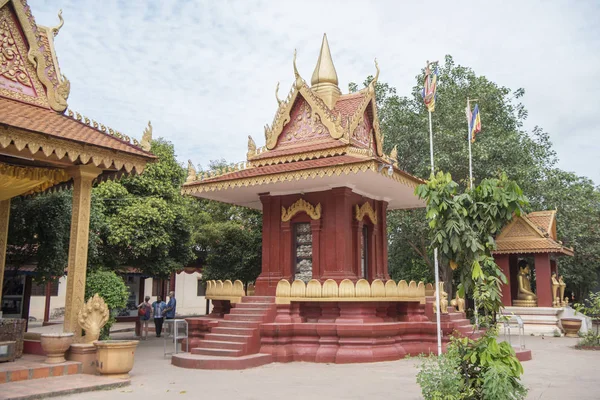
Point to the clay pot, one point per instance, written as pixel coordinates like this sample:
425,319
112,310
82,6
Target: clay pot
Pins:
571,326
115,357
55,345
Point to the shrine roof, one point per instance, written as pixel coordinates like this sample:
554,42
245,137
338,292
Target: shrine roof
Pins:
320,136
33,100
48,122
531,233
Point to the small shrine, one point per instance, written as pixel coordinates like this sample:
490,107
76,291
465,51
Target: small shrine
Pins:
324,185
527,238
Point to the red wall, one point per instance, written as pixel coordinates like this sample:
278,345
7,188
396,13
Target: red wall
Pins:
336,251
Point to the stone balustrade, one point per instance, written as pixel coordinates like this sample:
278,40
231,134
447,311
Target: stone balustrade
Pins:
225,290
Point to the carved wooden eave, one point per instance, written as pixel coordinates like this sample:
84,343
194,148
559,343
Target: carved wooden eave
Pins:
57,87
42,147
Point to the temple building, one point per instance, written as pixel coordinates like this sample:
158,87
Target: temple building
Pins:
323,182
45,146
324,185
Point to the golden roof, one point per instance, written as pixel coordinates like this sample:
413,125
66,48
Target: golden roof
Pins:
531,233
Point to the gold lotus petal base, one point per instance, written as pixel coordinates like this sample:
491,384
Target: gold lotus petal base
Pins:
525,303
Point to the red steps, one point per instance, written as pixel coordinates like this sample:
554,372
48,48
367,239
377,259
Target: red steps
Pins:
235,340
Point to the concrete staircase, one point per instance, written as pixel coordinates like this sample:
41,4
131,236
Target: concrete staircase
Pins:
235,342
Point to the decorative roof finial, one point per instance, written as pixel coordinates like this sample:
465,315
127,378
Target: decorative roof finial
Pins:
296,73
325,70
277,93
191,172
251,147
394,154
60,24
146,141
374,81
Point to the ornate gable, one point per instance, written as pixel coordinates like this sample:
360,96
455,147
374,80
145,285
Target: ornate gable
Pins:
18,79
520,228
28,65
304,126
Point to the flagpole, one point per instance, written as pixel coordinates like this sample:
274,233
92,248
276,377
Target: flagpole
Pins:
471,187
435,256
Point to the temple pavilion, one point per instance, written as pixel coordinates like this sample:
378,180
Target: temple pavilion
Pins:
43,145
324,185
322,181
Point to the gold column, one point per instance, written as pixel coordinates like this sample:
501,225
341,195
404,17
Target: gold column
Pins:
4,217
83,177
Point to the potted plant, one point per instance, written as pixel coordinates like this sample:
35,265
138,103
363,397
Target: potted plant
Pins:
590,308
115,357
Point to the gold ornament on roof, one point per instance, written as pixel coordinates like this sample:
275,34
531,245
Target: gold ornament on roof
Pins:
301,206
365,210
146,141
56,29
394,154
251,147
277,94
299,81
191,172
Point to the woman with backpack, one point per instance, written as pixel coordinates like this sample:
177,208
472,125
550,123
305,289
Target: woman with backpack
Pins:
144,311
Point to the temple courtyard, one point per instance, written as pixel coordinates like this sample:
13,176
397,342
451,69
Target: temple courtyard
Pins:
557,371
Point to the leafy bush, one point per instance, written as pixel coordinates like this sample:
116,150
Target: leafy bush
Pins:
112,289
481,369
591,306
589,339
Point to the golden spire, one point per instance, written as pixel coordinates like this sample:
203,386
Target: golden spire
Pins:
324,71
324,80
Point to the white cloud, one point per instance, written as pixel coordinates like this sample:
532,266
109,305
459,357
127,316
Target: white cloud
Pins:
205,72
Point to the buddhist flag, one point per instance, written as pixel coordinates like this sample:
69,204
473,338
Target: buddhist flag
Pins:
474,122
429,88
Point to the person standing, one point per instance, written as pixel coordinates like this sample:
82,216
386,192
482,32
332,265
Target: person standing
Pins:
158,309
170,310
144,311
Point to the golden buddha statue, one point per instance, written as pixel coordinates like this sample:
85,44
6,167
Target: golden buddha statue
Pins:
525,296
561,288
556,299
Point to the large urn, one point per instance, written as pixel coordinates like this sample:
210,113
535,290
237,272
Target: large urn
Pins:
571,326
115,357
55,345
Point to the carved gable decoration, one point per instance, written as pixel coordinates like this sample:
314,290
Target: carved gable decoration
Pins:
18,79
363,132
304,125
365,211
520,229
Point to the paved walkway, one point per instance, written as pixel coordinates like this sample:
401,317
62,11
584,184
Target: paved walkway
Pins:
557,371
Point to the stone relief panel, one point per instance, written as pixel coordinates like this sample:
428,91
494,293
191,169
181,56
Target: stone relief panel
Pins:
304,126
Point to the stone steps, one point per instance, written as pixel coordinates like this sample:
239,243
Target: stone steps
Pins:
218,344
232,330
237,324
23,369
244,317
199,361
224,337
217,352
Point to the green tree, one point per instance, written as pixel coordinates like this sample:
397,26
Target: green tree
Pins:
463,226
146,221
227,239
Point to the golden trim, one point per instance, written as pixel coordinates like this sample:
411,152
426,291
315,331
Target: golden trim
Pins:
365,210
21,181
348,291
225,290
301,205
309,155
63,148
199,187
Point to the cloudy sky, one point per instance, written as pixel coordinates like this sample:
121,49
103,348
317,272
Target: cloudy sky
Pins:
204,72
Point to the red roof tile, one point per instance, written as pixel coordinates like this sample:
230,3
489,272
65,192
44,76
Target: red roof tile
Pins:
348,104
301,148
36,119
